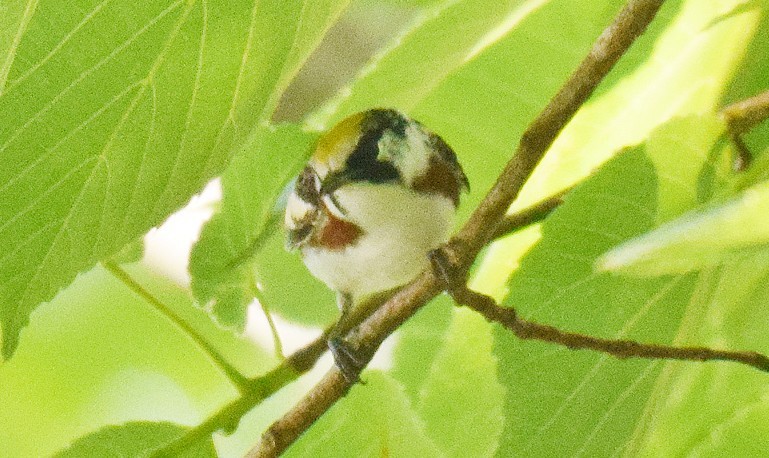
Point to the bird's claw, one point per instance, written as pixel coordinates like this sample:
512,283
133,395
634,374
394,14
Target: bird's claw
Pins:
349,362
447,271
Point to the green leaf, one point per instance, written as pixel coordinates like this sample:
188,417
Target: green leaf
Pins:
564,402
698,239
715,409
136,439
686,71
132,252
692,147
419,341
375,419
461,400
287,287
14,18
746,6
99,355
112,116
221,261
400,76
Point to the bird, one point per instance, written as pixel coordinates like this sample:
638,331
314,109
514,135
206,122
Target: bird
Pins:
378,194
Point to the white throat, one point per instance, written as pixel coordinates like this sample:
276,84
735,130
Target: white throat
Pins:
399,228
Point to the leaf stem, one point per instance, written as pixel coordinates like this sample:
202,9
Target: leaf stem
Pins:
240,381
276,342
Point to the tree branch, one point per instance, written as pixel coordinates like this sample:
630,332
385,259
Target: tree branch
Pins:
622,349
742,116
746,114
479,229
530,215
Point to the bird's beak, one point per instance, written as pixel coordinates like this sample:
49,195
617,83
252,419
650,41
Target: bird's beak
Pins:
334,181
331,183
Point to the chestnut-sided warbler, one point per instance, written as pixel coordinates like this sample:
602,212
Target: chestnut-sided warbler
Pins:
379,192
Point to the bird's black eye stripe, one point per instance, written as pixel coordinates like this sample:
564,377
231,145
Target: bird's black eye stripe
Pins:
363,164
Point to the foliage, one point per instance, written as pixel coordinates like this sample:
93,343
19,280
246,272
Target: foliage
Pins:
132,439
113,116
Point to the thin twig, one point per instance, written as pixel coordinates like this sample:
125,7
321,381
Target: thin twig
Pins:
276,342
232,373
513,222
528,330
479,229
746,114
742,116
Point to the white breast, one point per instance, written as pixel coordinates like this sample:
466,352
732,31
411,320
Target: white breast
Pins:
400,228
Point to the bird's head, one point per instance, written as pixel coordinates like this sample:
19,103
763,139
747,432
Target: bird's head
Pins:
385,146
368,160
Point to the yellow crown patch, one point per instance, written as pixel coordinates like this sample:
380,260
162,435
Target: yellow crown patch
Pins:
337,144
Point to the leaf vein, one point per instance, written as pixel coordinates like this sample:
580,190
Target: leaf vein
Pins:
568,400
58,46
230,118
5,69
626,393
83,75
92,117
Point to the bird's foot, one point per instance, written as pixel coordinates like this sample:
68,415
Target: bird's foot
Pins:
447,269
349,361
